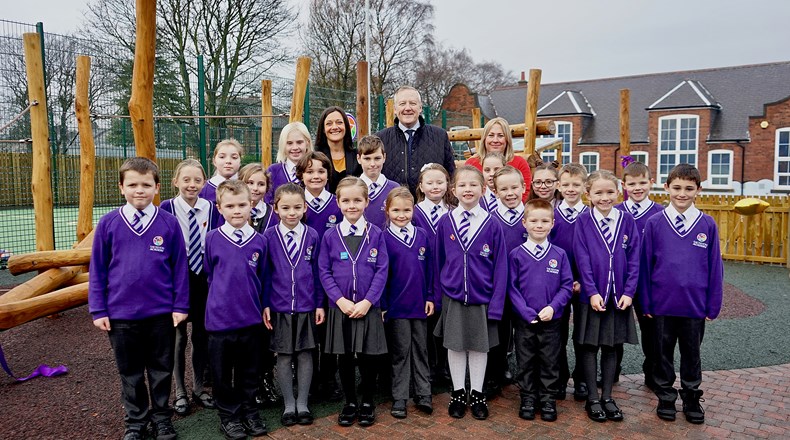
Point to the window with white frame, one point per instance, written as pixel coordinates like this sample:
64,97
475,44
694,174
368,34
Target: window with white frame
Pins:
640,156
565,132
720,168
677,143
590,161
782,174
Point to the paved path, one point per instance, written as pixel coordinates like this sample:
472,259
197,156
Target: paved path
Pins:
747,403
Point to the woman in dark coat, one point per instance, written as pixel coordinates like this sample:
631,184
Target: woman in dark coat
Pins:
334,140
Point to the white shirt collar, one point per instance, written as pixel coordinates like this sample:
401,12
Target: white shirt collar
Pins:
361,224
261,207
290,167
613,216
183,206
382,179
216,179
530,245
325,196
477,211
246,230
129,211
428,205
299,230
396,230
690,215
644,205
579,208
403,128
503,210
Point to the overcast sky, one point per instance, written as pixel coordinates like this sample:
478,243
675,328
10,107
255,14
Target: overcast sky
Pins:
569,39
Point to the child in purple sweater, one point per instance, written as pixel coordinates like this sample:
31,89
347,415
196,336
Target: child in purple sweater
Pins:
371,157
139,294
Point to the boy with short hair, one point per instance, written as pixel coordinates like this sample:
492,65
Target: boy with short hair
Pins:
682,277
540,286
139,293
234,311
371,157
571,186
637,183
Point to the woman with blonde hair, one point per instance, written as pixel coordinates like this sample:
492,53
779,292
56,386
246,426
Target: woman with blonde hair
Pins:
496,137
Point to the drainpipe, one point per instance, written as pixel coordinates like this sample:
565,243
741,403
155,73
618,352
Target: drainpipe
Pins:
743,164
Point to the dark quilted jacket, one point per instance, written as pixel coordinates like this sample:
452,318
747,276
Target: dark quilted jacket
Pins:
431,145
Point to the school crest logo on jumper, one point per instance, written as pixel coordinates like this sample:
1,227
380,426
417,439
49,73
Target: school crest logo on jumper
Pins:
701,241
309,251
158,240
553,267
421,252
157,246
255,256
486,251
553,263
332,219
373,254
625,238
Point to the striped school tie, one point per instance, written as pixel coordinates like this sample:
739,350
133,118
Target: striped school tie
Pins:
317,203
292,176
680,224
194,254
538,250
607,234
463,228
137,221
290,245
434,215
239,236
373,187
405,233
635,209
513,214
570,213
352,231
255,212
491,202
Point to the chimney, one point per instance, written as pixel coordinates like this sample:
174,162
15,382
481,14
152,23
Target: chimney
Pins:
523,81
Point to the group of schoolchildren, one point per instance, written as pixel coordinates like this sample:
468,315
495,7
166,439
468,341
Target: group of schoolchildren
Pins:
267,261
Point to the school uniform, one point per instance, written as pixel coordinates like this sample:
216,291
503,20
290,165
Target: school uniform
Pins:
233,262
561,235
323,213
209,192
489,201
263,217
471,278
377,195
138,279
540,276
427,215
282,173
610,269
641,212
194,239
680,304
292,290
408,289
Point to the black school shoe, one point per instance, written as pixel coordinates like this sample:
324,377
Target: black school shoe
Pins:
164,430
580,391
527,409
478,404
233,430
288,419
305,418
133,434
666,410
691,406
548,411
367,414
612,411
457,408
347,415
424,404
399,409
595,411
254,426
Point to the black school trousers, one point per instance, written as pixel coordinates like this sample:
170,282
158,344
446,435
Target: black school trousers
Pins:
144,346
687,333
537,352
234,358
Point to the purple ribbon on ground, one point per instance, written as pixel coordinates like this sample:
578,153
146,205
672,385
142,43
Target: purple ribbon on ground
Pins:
41,370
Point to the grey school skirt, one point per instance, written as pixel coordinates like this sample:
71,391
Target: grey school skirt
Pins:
361,335
292,333
466,328
610,327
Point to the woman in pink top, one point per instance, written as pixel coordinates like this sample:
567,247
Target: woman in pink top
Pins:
496,137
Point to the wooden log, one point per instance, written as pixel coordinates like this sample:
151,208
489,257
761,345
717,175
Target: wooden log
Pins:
266,122
141,102
43,260
390,112
363,100
531,112
87,148
625,122
476,126
300,89
39,130
516,130
80,278
20,312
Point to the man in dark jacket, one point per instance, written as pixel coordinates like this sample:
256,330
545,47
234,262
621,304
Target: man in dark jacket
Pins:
411,143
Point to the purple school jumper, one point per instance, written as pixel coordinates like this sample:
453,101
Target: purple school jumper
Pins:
374,213
641,219
235,278
324,218
279,177
561,235
682,275
422,219
354,277
598,263
138,275
515,232
292,286
475,274
408,285
209,192
539,281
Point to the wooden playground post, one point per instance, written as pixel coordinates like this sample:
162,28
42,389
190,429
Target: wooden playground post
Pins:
87,147
363,101
625,125
266,122
516,130
39,129
141,102
531,113
390,112
475,125
300,89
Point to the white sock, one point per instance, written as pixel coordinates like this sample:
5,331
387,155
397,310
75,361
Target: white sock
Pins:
457,362
477,369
